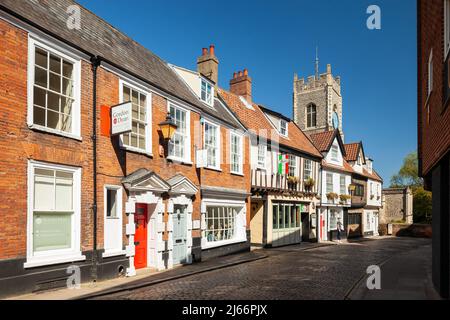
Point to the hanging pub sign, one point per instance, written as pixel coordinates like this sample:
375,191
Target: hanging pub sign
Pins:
121,119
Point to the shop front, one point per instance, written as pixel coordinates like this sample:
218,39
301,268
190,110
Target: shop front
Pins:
354,224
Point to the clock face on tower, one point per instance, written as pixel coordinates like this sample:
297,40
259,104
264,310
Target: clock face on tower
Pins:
335,120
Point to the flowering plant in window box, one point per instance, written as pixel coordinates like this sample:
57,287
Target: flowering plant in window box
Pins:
372,196
292,180
345,197
309,183
332,196
378,198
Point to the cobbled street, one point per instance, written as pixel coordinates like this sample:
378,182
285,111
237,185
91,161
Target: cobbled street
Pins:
329,272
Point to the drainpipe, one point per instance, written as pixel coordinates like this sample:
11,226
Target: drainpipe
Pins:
95,61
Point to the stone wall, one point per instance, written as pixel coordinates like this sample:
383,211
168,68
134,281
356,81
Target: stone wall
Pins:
397,205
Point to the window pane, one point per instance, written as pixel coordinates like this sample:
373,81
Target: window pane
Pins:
292,217
41,58
51,231
64,191
67,69
66,123
287,211
40,77
39,116
67,88
111,211
281,217
55,82
53,102
52,120
135,97
126,94
43,189
275,217
66,106
55,64
39,97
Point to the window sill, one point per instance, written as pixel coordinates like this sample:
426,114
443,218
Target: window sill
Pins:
182,161
213,169
114,253
237,174
210,245
46,261
55,132
138,151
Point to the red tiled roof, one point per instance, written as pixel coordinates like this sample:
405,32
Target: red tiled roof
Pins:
323,140
351,149
374,175
258,123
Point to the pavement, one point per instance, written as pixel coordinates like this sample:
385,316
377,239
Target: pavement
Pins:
309,271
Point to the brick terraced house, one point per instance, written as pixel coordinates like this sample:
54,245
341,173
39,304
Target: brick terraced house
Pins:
75,195
434,126
285,167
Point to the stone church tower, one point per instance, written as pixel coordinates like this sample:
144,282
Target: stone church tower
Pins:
318,102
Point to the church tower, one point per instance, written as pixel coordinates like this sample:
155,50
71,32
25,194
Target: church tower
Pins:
318,102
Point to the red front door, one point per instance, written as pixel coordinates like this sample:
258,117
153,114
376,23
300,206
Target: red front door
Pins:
140,237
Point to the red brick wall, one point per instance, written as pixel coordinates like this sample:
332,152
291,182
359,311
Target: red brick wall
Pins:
434,137
19,144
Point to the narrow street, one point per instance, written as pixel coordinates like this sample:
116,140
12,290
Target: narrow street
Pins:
331,272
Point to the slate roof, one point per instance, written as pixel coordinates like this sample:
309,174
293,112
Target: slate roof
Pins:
99,38
256,122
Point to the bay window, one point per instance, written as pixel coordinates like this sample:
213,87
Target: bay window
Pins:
221,223
286,216
54,90
236,154
54,211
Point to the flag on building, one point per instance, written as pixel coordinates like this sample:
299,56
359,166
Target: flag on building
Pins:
283,164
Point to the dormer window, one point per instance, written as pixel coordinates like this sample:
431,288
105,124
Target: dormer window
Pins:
334,153
207,92
283,127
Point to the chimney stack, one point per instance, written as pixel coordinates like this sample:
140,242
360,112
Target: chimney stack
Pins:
208,64
241,85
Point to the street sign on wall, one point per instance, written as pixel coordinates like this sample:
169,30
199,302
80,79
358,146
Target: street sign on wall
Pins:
121,119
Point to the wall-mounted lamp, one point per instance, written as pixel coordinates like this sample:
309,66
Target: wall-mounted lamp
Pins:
168,127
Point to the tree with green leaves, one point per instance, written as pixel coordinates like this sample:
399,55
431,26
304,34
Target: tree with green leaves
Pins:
408,176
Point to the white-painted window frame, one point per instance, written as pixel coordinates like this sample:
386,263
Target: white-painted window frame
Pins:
307,167
76,107
217,148
148,129
240,154
36,259
286,132
210,86
327,184
119,210
334,152
343,186
187,141
292,160
262,148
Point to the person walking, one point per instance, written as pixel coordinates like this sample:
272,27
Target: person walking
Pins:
340,229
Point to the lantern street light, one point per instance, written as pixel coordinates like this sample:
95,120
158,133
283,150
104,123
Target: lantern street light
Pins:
168,127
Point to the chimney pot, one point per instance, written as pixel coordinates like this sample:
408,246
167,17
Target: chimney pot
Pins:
240,73
211,50
245,72
234,75
204,51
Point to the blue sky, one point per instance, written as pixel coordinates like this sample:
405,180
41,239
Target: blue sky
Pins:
275,39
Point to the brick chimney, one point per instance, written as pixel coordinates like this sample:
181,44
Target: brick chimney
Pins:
208,64
241,84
